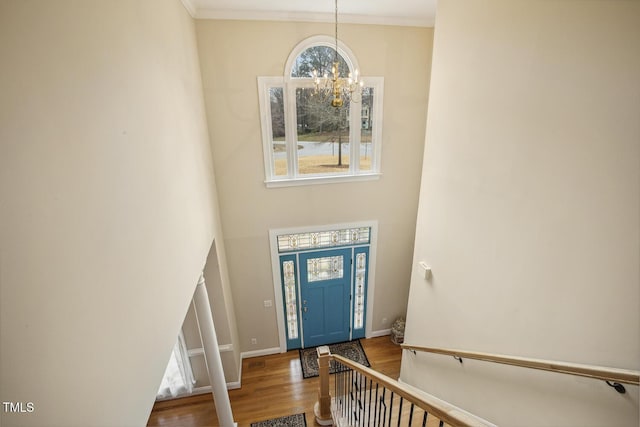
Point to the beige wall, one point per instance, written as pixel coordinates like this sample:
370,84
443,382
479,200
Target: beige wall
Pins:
108,204
232,55
530,208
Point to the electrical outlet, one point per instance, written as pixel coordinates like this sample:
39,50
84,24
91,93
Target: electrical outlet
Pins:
384,320
254,341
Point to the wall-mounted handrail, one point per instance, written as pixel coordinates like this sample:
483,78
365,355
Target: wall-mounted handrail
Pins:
614,375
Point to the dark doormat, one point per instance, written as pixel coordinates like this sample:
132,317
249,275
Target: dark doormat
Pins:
297,420
351,350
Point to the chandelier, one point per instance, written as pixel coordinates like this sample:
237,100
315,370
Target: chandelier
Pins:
334,87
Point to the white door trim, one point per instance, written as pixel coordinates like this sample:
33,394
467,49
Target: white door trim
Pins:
275,269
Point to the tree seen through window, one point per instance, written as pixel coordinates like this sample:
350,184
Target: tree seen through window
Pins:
306,135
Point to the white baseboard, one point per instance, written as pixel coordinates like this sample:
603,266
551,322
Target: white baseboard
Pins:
256,353
201,390
195,392
236,384
207,388
199,351
225,348
380,333
445,403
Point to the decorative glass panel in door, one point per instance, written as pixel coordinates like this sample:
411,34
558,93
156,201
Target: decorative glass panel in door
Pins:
360,273
325,286
288,269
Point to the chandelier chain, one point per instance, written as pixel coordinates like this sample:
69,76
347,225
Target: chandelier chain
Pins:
338,89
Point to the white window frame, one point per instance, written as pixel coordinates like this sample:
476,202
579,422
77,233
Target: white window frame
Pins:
289,86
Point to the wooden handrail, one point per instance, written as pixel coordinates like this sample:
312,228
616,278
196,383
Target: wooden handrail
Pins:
442,410
597,372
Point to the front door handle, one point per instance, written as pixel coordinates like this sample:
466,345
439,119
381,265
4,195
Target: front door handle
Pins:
304,309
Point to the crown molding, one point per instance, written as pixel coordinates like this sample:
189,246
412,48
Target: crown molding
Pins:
258,15
188,4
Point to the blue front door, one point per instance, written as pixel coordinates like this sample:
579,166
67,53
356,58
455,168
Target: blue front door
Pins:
325,286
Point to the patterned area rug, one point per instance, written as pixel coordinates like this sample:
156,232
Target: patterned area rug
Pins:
297,420
351,350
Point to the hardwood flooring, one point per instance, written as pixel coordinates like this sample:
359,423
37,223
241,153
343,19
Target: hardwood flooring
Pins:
272,386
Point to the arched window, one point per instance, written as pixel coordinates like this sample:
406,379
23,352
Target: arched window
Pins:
318,58
305,138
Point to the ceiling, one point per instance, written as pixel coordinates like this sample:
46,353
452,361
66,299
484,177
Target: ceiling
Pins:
420,13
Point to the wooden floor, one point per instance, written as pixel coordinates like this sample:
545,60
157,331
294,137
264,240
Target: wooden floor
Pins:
272,386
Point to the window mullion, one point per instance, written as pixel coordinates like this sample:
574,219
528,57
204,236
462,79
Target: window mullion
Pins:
354,136
269,162
376,134
294,87
265,85
291,134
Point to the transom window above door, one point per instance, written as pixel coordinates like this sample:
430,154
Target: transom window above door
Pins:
305,139
323,239
323,279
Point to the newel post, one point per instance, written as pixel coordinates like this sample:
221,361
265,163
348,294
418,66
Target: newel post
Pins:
322,408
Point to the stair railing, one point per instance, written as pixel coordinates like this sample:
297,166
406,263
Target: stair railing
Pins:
364,397
613,376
